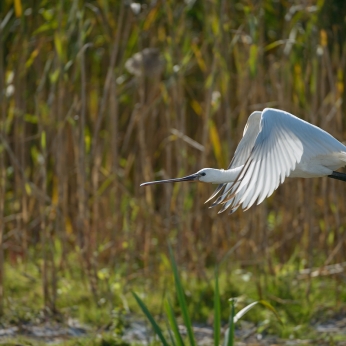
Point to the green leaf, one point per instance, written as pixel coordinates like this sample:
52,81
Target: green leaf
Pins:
58,45
30,118
181,299
46,27
151,319
53,77
171,337
253,59
229,338
271,308
32,58
43,140
28,189
173,323
242,312
209,81
274,45
217,311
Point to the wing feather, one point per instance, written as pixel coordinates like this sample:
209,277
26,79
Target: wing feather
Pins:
241,154
255,178
274,142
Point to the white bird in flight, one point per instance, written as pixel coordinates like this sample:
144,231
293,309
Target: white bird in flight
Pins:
275,145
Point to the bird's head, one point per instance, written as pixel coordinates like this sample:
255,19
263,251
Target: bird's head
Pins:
208,175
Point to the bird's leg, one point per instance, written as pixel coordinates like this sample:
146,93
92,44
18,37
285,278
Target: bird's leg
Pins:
338,176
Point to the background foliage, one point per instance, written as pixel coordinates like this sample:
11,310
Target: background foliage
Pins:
80,132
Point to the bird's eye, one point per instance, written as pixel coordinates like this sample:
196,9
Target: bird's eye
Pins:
203,174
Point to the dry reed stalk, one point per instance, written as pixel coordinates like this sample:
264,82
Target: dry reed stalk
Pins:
43,225
43,237
2,169
168,168
60,183
96,216
114,120
252,63
83,219
109,77
20,107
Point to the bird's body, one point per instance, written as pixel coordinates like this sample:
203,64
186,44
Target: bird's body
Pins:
275,145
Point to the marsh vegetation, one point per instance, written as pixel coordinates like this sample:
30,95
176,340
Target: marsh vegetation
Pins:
100,96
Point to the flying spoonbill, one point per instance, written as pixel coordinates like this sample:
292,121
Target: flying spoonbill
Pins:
275,145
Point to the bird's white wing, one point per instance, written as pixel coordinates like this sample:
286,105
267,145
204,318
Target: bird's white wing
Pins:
242,152
282,141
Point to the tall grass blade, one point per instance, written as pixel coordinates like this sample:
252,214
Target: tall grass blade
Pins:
229,335
173,323
217,310
242,312
271,308
171,337
150,317
181,299
235,318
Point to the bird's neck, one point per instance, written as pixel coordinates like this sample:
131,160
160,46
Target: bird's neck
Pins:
228,175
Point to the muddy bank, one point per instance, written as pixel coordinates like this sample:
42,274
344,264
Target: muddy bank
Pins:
138,331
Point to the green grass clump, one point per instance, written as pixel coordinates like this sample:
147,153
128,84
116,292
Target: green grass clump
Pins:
176,337
299,302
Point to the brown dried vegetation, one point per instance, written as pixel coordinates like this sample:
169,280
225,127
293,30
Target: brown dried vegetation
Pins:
79,132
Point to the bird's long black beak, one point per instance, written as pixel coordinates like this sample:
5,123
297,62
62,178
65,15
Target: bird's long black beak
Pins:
192,177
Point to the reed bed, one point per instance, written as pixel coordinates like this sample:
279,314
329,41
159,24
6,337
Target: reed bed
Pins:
100,96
